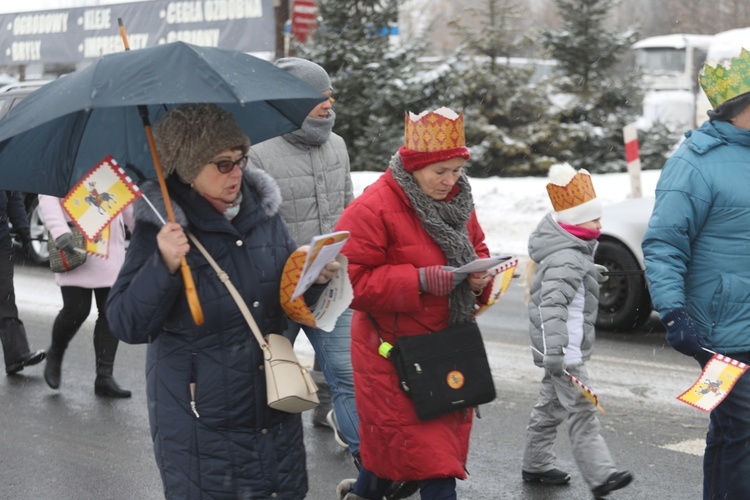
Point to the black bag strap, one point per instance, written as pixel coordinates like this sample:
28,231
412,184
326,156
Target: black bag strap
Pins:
385,348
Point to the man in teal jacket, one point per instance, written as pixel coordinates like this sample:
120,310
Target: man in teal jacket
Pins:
697,255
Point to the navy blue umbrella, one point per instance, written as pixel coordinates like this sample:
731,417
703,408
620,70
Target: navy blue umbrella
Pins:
59,132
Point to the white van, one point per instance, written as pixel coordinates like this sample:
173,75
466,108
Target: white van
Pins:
669,66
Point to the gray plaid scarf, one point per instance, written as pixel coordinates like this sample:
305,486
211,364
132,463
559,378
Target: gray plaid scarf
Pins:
445,222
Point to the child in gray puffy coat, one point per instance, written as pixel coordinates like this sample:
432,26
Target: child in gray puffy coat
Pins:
563,303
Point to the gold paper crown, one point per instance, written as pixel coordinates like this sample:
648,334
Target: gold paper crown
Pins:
724,83
579,190
434,131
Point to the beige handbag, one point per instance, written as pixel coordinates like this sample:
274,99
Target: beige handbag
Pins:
289,385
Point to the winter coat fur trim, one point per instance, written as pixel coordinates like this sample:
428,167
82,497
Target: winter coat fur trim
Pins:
258,180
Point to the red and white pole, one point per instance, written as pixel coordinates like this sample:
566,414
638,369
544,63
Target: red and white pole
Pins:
633,158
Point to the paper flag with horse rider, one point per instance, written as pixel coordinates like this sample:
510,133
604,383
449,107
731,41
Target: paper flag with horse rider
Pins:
714,383
99,196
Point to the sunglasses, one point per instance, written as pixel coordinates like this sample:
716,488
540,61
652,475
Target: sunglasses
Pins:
226,166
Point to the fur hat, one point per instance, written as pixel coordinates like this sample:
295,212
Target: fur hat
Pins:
432,137
307,71
188,136
572,194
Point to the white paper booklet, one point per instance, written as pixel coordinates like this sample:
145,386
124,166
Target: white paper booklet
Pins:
323,249
484,264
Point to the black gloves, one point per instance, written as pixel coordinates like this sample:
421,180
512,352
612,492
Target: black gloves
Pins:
683,335
24,234
65,242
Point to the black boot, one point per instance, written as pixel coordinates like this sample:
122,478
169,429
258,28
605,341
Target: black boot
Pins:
107,386
53,368
105,347
63,331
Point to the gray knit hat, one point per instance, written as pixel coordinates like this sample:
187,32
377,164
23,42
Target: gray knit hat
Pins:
188,136
307,71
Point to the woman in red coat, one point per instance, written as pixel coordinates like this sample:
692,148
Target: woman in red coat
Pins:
417,218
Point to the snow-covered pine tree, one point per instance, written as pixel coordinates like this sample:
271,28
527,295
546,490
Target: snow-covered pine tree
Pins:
507,124
599,101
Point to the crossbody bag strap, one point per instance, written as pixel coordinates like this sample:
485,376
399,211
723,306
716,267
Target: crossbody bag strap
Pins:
224,278
384,349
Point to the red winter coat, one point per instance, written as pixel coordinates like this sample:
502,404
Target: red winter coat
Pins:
387,247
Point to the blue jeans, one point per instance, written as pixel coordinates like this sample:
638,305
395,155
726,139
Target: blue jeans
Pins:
372,487
726,461
333,352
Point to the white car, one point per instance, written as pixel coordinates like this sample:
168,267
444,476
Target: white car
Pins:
624,301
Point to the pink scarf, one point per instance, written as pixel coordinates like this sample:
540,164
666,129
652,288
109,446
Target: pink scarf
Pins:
581,232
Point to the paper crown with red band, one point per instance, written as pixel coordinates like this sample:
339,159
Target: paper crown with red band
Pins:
572,195
431,137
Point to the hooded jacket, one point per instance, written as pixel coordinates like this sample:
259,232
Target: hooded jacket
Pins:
232,445
697,246
386,248
565,269
315,182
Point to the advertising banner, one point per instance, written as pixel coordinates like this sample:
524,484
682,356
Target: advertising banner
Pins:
75,35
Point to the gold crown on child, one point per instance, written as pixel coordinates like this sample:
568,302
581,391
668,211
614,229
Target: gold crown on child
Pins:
722,83
438,130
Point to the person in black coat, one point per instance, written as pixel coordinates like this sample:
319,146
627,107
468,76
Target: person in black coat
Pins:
12,332
214,435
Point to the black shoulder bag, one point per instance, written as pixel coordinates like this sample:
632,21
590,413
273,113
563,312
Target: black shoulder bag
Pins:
443,371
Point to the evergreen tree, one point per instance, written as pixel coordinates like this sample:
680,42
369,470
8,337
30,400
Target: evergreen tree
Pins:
373,79
506,109
599,101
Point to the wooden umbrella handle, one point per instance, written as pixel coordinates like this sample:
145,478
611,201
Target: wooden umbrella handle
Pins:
187,276
191,293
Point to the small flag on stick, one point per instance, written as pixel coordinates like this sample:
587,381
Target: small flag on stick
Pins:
586,391
100,246
714,384
99,196
503,275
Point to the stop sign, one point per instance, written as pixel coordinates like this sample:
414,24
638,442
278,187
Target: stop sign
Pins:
304,13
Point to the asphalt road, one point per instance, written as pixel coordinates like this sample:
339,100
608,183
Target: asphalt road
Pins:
71,445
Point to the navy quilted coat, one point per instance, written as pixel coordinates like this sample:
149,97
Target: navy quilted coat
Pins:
233,446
